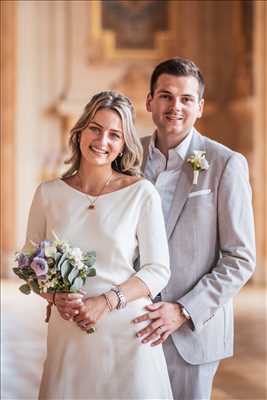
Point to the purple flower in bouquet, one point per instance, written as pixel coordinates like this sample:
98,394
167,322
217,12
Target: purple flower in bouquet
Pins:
45,243
40,266
40,252
23,261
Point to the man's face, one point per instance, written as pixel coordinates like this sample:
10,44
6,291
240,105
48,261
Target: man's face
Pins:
175,105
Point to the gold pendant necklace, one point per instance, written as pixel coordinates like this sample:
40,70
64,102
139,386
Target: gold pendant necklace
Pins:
92,205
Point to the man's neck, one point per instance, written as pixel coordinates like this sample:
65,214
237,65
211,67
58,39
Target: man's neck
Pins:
165,143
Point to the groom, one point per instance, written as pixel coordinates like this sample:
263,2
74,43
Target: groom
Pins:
209,220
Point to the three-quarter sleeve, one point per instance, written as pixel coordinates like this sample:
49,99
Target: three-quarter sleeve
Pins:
153,245
36,228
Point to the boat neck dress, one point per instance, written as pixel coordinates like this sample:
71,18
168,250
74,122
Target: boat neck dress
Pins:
111,363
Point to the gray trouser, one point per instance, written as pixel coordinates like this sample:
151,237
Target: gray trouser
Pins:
189,382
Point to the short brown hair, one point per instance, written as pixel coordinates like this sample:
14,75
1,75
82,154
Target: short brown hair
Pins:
178,67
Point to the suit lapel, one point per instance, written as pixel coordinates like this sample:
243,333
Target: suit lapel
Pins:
184,184
183,187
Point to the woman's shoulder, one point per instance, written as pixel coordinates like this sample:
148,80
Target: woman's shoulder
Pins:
123,181
149,189
51,185
146,189
147,186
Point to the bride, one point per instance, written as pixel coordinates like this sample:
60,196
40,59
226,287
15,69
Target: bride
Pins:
102,204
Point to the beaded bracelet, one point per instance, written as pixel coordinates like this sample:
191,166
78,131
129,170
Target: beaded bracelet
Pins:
122,300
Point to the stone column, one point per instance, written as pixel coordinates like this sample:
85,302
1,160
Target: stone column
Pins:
8,117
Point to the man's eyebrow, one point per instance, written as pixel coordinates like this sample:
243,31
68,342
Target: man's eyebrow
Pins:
182,95
164,91
188,95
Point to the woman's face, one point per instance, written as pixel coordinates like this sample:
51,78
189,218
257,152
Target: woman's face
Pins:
103,139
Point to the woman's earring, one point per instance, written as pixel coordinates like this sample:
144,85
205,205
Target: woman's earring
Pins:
121,154
116,164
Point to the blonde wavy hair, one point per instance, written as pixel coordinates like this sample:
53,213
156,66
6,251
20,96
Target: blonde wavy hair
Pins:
130,162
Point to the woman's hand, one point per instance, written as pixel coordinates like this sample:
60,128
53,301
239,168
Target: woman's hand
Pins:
68,304
91,311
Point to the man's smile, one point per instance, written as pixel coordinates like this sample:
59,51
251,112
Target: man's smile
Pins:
174,117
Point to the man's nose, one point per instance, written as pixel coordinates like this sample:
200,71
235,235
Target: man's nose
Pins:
176,103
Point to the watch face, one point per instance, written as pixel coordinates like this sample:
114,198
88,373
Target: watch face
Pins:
185,313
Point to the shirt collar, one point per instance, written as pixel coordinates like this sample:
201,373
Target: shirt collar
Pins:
181,149
152,146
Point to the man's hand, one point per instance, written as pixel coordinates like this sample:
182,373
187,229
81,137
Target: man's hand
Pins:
165,318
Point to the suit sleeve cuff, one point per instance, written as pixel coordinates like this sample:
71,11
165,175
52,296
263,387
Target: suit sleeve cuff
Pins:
190,321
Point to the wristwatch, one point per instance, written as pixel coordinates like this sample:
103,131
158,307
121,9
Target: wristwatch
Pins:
185,313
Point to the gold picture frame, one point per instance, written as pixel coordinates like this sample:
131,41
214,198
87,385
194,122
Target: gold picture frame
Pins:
103,40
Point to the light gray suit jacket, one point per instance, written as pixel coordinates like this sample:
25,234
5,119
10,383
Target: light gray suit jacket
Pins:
210,230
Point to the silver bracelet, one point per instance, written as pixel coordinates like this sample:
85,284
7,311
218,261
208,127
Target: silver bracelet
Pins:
122,300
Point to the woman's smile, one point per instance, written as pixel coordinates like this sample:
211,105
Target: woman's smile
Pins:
99,151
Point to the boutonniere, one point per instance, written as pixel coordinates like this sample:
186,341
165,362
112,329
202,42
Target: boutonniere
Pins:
199,163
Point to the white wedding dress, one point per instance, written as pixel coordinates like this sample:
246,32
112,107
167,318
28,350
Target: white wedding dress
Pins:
111,363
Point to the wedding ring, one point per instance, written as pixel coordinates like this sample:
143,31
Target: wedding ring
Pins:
91,330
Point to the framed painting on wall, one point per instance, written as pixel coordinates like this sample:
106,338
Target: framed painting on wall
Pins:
127,29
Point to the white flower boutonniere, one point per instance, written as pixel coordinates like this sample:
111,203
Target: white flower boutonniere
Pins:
199,163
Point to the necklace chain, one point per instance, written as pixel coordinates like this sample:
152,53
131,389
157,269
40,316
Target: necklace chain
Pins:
92,205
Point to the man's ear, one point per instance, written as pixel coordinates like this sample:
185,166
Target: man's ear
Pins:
201,107
148,101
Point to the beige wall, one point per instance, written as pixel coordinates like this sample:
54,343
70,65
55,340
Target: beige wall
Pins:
8,139
259,171
40,80
61,61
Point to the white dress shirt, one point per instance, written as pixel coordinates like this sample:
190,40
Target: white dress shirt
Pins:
164,174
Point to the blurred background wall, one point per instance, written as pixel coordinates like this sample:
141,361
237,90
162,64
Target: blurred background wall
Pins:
56,54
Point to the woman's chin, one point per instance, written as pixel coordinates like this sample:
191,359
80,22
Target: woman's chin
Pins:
98,161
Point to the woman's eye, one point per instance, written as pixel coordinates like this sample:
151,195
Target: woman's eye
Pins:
116,135
94,129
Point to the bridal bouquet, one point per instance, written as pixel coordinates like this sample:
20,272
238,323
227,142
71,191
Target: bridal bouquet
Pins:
54,266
